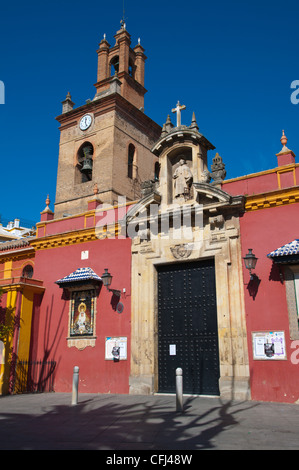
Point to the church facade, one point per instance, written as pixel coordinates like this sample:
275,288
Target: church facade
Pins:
140,268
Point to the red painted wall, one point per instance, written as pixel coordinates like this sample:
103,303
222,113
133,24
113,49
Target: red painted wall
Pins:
252,185
261,183
50,322
264,231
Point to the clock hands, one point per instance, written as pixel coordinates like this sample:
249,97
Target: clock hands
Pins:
85,122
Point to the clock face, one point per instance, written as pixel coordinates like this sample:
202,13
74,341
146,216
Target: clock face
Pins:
85,122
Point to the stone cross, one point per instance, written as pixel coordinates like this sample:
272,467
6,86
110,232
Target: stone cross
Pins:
178,110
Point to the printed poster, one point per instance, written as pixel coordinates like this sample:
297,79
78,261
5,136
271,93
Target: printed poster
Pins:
269,345
116,348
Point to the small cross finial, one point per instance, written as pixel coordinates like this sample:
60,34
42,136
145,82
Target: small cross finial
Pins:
178,110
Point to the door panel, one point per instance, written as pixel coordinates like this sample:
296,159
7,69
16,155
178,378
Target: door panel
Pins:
187,327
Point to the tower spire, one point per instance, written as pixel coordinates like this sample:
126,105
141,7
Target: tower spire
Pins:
123,20
127,62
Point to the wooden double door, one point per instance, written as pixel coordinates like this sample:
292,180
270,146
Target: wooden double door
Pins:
187,327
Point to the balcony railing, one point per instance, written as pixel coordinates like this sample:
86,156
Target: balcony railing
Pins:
20,280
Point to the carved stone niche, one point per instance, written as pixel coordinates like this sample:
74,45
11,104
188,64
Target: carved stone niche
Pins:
175,144
182,177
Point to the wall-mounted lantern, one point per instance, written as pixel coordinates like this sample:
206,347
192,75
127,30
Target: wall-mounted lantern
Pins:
107,279
250,262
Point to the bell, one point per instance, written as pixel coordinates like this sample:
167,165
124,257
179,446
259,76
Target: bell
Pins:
87,165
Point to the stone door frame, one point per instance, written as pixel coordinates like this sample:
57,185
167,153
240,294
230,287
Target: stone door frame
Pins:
219,237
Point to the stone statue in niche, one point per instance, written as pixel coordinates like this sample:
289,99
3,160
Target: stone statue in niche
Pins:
182,180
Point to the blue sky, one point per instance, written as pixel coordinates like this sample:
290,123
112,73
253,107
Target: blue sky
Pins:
231,62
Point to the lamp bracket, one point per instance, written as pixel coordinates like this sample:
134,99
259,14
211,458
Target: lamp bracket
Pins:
115,291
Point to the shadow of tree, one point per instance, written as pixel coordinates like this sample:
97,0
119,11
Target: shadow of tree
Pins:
48,367
112,423
36,373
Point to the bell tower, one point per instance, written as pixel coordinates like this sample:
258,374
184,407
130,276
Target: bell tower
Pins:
126,64
105,144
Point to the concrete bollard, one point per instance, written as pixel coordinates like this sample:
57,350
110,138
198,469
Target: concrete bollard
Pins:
179,389
75,385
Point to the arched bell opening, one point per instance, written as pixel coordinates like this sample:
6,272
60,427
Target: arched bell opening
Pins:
84,163
131,70
114,66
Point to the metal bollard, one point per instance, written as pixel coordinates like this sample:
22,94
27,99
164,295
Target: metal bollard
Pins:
75,385
179,389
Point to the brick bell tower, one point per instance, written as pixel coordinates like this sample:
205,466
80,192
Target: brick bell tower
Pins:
105,145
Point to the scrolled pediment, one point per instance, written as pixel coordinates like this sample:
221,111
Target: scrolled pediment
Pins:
143,205
212,192
212,196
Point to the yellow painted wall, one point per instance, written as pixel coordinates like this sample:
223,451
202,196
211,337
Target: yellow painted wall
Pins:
7,270
10,306
25,325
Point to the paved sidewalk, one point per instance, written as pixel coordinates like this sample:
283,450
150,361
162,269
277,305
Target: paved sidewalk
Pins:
128,422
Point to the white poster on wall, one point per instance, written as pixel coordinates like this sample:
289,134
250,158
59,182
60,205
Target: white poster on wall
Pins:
269,345
116,348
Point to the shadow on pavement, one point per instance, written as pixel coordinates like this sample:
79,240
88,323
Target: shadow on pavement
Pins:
111,423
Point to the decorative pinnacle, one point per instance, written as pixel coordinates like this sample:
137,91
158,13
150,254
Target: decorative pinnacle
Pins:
194,123
47,208
283,139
